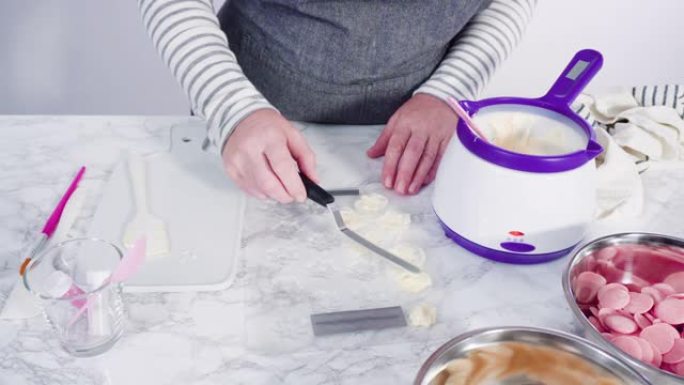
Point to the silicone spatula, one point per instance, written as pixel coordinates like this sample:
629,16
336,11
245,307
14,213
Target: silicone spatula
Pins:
144,223
129,265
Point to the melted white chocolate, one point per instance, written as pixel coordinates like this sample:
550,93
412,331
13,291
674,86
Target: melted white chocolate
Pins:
530,134
498,363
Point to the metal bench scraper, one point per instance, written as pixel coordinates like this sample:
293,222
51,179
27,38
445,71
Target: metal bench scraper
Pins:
357,320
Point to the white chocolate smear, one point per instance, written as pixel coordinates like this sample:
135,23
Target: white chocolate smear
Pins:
409,253
393,220
423,315
374,235
351,219
413,283
372,203
382,229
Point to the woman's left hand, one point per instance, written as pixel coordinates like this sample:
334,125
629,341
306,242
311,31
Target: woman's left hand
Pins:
413,142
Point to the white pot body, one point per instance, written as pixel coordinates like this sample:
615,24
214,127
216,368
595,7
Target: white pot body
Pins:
495,207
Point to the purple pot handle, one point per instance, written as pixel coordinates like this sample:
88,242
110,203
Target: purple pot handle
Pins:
579,72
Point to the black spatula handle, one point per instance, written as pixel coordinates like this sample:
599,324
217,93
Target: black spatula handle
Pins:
315,192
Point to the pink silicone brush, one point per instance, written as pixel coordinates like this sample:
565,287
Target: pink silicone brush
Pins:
466,118
129,265
53,220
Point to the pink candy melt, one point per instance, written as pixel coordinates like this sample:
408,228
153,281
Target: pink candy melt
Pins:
657,358
676,354
607,253
642,321
629,345
616,297
671,310
634,296
676,281
654,293
620,323
648,353
664,289
592,277
594,310
662,336
597,324
639,303
587,286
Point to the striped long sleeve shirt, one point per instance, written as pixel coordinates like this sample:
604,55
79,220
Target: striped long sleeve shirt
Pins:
187,35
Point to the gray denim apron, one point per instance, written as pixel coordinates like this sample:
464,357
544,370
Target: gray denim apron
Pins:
342,61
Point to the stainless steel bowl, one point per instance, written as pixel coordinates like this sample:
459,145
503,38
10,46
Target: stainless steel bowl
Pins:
579,263
461,345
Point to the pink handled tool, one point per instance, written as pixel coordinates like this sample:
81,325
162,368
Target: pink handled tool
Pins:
129,265
466,118
131,262
53,220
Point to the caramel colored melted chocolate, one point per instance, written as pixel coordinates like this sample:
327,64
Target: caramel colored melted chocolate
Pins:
513,360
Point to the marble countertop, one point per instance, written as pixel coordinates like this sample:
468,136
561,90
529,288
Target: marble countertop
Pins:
199,338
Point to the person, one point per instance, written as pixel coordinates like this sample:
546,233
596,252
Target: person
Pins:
258,64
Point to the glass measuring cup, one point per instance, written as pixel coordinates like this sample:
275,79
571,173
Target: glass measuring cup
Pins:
72,275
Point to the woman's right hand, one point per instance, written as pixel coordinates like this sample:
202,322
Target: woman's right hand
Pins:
263,155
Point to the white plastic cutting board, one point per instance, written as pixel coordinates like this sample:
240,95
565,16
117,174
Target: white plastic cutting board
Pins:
202,209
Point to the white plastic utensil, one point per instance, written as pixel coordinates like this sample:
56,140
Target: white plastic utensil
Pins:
466,118
144,223
129,265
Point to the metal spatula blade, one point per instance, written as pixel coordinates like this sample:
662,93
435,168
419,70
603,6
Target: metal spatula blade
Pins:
319,195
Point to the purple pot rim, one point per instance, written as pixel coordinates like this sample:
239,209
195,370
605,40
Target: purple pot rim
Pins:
524,162
503,256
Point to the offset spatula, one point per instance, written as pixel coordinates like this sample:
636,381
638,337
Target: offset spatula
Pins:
319,195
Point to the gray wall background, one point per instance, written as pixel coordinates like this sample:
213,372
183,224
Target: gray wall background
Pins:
93,56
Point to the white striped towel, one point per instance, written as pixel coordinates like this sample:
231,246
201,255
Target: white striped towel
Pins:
639,128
